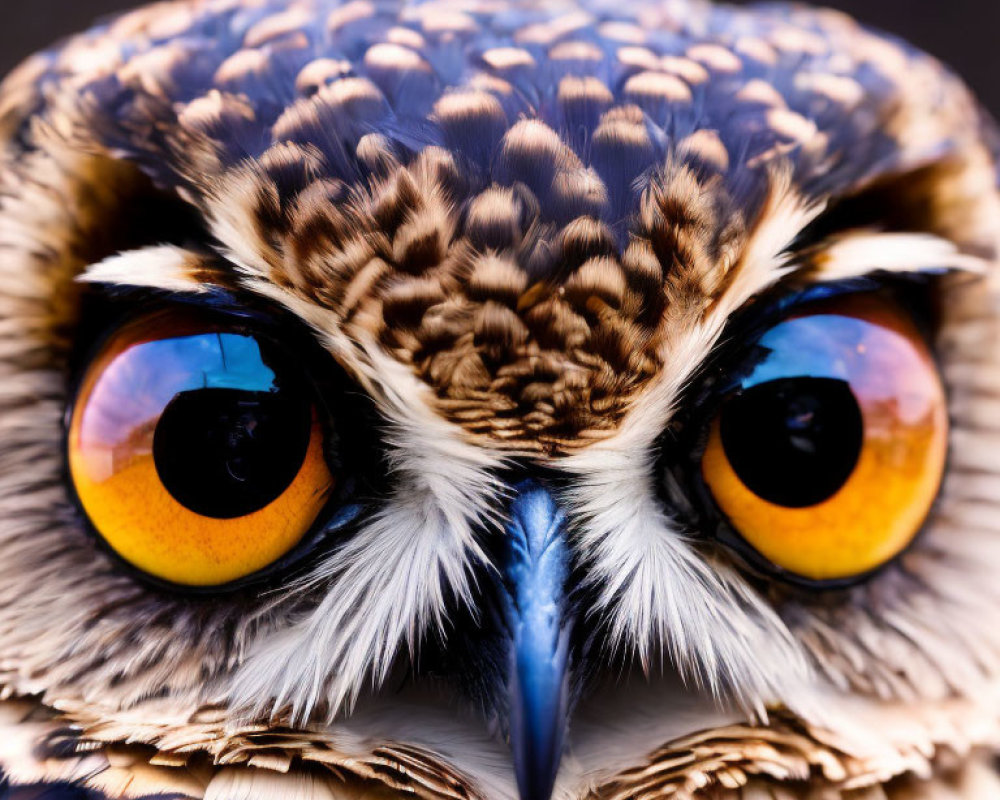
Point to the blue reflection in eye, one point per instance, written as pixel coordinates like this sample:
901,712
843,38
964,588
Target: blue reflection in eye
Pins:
817,346
149,375
211,361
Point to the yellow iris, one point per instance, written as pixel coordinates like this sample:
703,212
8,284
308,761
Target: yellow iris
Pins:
224,515
871,516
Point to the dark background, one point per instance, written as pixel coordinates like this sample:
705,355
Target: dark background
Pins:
962,32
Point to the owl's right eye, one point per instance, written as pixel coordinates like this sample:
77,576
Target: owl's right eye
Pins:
198,448
827,456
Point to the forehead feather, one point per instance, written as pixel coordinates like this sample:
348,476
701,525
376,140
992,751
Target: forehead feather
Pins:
507,198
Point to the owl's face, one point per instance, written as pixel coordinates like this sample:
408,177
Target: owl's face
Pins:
483,400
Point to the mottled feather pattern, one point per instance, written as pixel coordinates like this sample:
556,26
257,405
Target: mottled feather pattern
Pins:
415,118
521,229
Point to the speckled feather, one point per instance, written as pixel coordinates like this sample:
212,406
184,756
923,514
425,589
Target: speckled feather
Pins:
488,188
521,228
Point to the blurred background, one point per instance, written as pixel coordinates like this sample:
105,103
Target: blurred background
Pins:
962,32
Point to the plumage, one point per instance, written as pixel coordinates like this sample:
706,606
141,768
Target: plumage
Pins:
529,236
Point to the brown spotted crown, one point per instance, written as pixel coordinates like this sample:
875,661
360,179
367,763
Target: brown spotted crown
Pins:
508,199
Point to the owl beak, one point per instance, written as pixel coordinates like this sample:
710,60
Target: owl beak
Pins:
534,570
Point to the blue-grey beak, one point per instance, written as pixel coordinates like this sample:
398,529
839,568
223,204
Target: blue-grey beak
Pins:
535,569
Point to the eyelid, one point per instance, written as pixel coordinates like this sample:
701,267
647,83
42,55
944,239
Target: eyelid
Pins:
748,325
105,308
785,299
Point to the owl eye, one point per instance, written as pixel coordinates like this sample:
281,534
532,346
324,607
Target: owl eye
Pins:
197,449
827,456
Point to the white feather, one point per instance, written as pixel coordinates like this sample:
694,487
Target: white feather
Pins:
166,267
862,252
657,594
388,585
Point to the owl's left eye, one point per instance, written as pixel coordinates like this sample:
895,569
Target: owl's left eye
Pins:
827,455
198,449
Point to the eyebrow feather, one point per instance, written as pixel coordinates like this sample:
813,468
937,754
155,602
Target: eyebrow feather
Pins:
164,267
862,252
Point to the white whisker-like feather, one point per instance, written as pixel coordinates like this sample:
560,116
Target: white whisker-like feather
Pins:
657,592
387,587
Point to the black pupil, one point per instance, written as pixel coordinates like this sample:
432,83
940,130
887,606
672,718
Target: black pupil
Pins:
225,453
794,441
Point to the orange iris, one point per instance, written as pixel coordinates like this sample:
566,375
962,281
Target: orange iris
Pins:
196,450
829,456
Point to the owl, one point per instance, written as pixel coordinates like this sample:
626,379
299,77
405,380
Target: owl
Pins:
497,400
